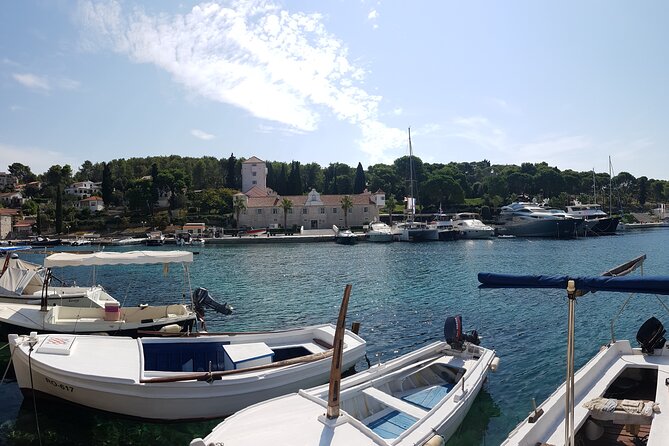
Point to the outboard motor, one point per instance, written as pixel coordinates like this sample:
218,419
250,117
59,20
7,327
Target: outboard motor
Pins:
202,299
454,335
651,335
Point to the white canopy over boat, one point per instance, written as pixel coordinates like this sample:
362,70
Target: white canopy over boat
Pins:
118,258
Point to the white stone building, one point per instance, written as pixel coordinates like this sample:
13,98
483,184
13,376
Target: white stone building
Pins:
312,211
83,189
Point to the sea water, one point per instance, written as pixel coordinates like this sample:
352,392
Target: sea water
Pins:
402,293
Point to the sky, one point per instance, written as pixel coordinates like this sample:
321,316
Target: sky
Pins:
571,83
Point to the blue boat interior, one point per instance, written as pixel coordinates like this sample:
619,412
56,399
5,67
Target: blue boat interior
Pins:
196,356
429,397
184,356
392,424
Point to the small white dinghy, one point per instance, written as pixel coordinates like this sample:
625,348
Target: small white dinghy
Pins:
416,399
177,378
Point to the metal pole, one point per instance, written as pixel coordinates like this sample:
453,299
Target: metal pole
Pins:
569,383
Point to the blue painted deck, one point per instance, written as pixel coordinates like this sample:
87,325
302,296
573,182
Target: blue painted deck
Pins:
392,424
429,397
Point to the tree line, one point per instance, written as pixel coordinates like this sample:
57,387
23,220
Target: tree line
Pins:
206,185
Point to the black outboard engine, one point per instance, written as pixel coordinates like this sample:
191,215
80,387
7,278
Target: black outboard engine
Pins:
651,335
202,299
454,335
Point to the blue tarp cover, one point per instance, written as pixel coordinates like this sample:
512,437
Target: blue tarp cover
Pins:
647,284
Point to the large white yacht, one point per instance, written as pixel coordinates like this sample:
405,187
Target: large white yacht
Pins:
379,232
597,222
531,220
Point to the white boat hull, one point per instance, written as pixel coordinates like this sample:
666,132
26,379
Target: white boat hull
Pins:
106,373
298,419
592,381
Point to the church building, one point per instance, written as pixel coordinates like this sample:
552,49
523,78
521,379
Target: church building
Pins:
312,211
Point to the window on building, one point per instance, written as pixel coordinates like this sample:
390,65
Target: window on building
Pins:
365,209
290,211
259,211
254,182
322,210
305,210
334,210
253,173
275,211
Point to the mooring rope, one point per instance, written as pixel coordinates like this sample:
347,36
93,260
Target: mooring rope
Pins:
32,388
9,364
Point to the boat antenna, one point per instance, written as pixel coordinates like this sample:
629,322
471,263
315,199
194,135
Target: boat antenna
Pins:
610,186
594,187
335,370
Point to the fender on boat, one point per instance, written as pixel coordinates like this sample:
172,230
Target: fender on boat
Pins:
437,440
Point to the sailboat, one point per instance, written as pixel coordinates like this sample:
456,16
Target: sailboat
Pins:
411,230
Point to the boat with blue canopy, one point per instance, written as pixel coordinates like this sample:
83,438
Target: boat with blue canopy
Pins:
620,396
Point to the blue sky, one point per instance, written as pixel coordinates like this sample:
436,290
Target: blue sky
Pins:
570,83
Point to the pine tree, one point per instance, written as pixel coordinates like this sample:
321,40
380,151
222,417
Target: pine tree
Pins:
295,179
231,175
360,182
107,186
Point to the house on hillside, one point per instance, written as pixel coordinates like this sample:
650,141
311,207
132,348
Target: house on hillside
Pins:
83,189
93,203
23,228
7,217
12,199
311,211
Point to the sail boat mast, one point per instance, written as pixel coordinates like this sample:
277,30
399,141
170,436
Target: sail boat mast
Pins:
412,206
610,187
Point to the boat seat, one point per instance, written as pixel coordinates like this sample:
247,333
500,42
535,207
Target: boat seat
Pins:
622,411
396,403
428,397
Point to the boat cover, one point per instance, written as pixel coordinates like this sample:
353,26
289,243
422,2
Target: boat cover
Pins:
18,276
647,284
14,248
118,258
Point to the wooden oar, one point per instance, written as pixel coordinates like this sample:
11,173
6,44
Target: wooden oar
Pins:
202,376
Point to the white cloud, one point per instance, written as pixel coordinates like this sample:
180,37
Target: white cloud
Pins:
372,14
277,65
202,134
479,131
32,81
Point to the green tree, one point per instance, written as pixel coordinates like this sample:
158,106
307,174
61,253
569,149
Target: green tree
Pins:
85,172
441,188
21,172
642,185
360,182
140,195
231,173
295,179
286,205
238,206
59,209
107,186
346,205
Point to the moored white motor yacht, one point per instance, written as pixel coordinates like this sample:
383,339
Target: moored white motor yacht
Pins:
471,227
523,219
596,221
379,232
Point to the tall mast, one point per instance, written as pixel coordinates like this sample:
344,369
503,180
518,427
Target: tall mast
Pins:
594,187
610,187
412,205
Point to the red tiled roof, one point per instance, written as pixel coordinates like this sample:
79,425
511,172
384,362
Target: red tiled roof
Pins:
257,191
4,211
300,200
253,159
93,198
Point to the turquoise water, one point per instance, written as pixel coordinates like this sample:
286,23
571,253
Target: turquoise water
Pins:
401,295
